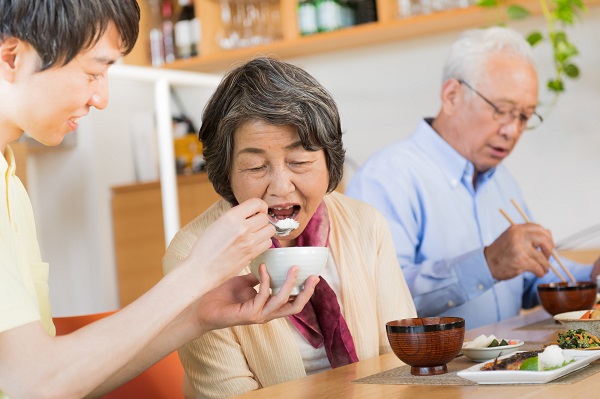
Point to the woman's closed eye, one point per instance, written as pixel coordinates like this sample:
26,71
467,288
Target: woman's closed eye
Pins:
255,168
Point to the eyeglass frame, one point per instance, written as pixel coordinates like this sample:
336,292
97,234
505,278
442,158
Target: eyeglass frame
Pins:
523,118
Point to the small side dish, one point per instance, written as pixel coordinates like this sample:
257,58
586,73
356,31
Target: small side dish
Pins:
580,320
578,339
484,348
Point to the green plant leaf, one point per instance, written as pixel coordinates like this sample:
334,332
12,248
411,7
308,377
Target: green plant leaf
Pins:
564,50
487,3
556,85
572,71
534,38
517,12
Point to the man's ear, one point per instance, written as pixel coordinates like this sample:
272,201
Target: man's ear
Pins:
451,96
9,50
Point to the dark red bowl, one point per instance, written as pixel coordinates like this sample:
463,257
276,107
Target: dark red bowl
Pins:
566,297
426,344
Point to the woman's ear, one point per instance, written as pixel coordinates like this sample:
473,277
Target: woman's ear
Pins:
451,96
9,50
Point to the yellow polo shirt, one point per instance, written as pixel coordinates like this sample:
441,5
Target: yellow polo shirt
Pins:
24,295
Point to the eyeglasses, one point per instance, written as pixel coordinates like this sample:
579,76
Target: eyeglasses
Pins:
506,117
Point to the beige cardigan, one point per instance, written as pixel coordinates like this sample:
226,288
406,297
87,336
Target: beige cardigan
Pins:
235,360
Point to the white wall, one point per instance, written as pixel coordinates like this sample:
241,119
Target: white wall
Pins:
382,91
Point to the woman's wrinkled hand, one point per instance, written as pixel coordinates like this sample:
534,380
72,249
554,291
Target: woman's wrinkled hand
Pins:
236,302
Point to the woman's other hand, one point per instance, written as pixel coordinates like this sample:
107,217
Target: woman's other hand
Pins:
236,302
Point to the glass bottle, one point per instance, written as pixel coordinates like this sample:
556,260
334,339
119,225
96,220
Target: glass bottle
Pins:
307,17
187,31
157,54
328,15
168,30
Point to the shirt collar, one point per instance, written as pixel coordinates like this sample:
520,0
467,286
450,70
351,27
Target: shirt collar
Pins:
455,167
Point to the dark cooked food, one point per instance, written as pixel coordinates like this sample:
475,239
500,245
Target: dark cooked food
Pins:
510,363
577,339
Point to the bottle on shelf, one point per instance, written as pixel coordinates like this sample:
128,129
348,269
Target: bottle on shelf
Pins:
328,15
168,31
187,31
365,11
307,17
157,54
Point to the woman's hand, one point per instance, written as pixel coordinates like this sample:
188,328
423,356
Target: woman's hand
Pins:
236,302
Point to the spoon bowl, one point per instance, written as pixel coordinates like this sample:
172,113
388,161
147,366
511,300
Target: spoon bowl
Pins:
281,231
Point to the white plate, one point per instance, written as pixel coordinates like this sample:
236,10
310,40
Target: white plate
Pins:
484,354
525,377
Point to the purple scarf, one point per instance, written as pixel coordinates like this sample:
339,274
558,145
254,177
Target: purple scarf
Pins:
321,322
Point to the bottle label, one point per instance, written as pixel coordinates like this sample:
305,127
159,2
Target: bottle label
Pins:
183,39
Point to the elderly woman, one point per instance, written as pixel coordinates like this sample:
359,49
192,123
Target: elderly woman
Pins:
271,131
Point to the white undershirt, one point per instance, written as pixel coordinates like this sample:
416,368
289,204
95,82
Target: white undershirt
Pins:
315,360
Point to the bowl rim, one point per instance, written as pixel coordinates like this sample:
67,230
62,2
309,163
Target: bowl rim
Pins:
457,322
558,286
294,249
573,316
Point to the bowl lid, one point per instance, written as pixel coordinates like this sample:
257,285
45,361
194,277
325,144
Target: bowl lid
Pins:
425,324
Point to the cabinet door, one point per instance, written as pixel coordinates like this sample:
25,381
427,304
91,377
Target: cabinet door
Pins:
139,232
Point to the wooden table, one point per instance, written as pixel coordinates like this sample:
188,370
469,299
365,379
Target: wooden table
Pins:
334,384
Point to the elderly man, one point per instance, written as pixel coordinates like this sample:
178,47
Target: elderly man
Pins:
441,188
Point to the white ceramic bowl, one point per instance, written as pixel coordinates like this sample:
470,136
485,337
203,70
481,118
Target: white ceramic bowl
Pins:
572,321
483,354
310,260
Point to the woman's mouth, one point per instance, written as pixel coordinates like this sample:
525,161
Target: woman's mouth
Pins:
281,213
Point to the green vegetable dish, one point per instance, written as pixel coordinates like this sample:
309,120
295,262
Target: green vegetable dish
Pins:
577,339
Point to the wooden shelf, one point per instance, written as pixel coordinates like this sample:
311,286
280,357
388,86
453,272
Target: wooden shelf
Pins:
388,28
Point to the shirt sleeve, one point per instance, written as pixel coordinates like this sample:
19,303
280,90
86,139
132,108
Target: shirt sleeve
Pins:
18,303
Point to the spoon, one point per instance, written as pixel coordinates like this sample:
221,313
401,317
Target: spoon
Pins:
281,231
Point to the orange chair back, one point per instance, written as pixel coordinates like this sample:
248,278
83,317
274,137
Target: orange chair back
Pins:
161,381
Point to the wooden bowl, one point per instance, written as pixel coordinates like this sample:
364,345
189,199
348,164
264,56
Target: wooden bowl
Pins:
566,297
426,344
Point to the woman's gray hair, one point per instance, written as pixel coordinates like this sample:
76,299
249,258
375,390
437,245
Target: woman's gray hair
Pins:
277,93
469,53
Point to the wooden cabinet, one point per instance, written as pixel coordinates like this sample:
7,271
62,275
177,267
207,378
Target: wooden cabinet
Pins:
389,27
139,233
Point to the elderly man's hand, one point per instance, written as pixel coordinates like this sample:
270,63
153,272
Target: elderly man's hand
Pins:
236,302
523,247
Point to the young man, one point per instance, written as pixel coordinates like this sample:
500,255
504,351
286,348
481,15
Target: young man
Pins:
54,56
441,189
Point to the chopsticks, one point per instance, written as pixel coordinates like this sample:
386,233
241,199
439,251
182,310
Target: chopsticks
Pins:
554,254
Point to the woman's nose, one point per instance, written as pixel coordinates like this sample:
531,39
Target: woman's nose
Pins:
281,183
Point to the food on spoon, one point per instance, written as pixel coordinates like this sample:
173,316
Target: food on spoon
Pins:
484,341
552,357
287,225
577,339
